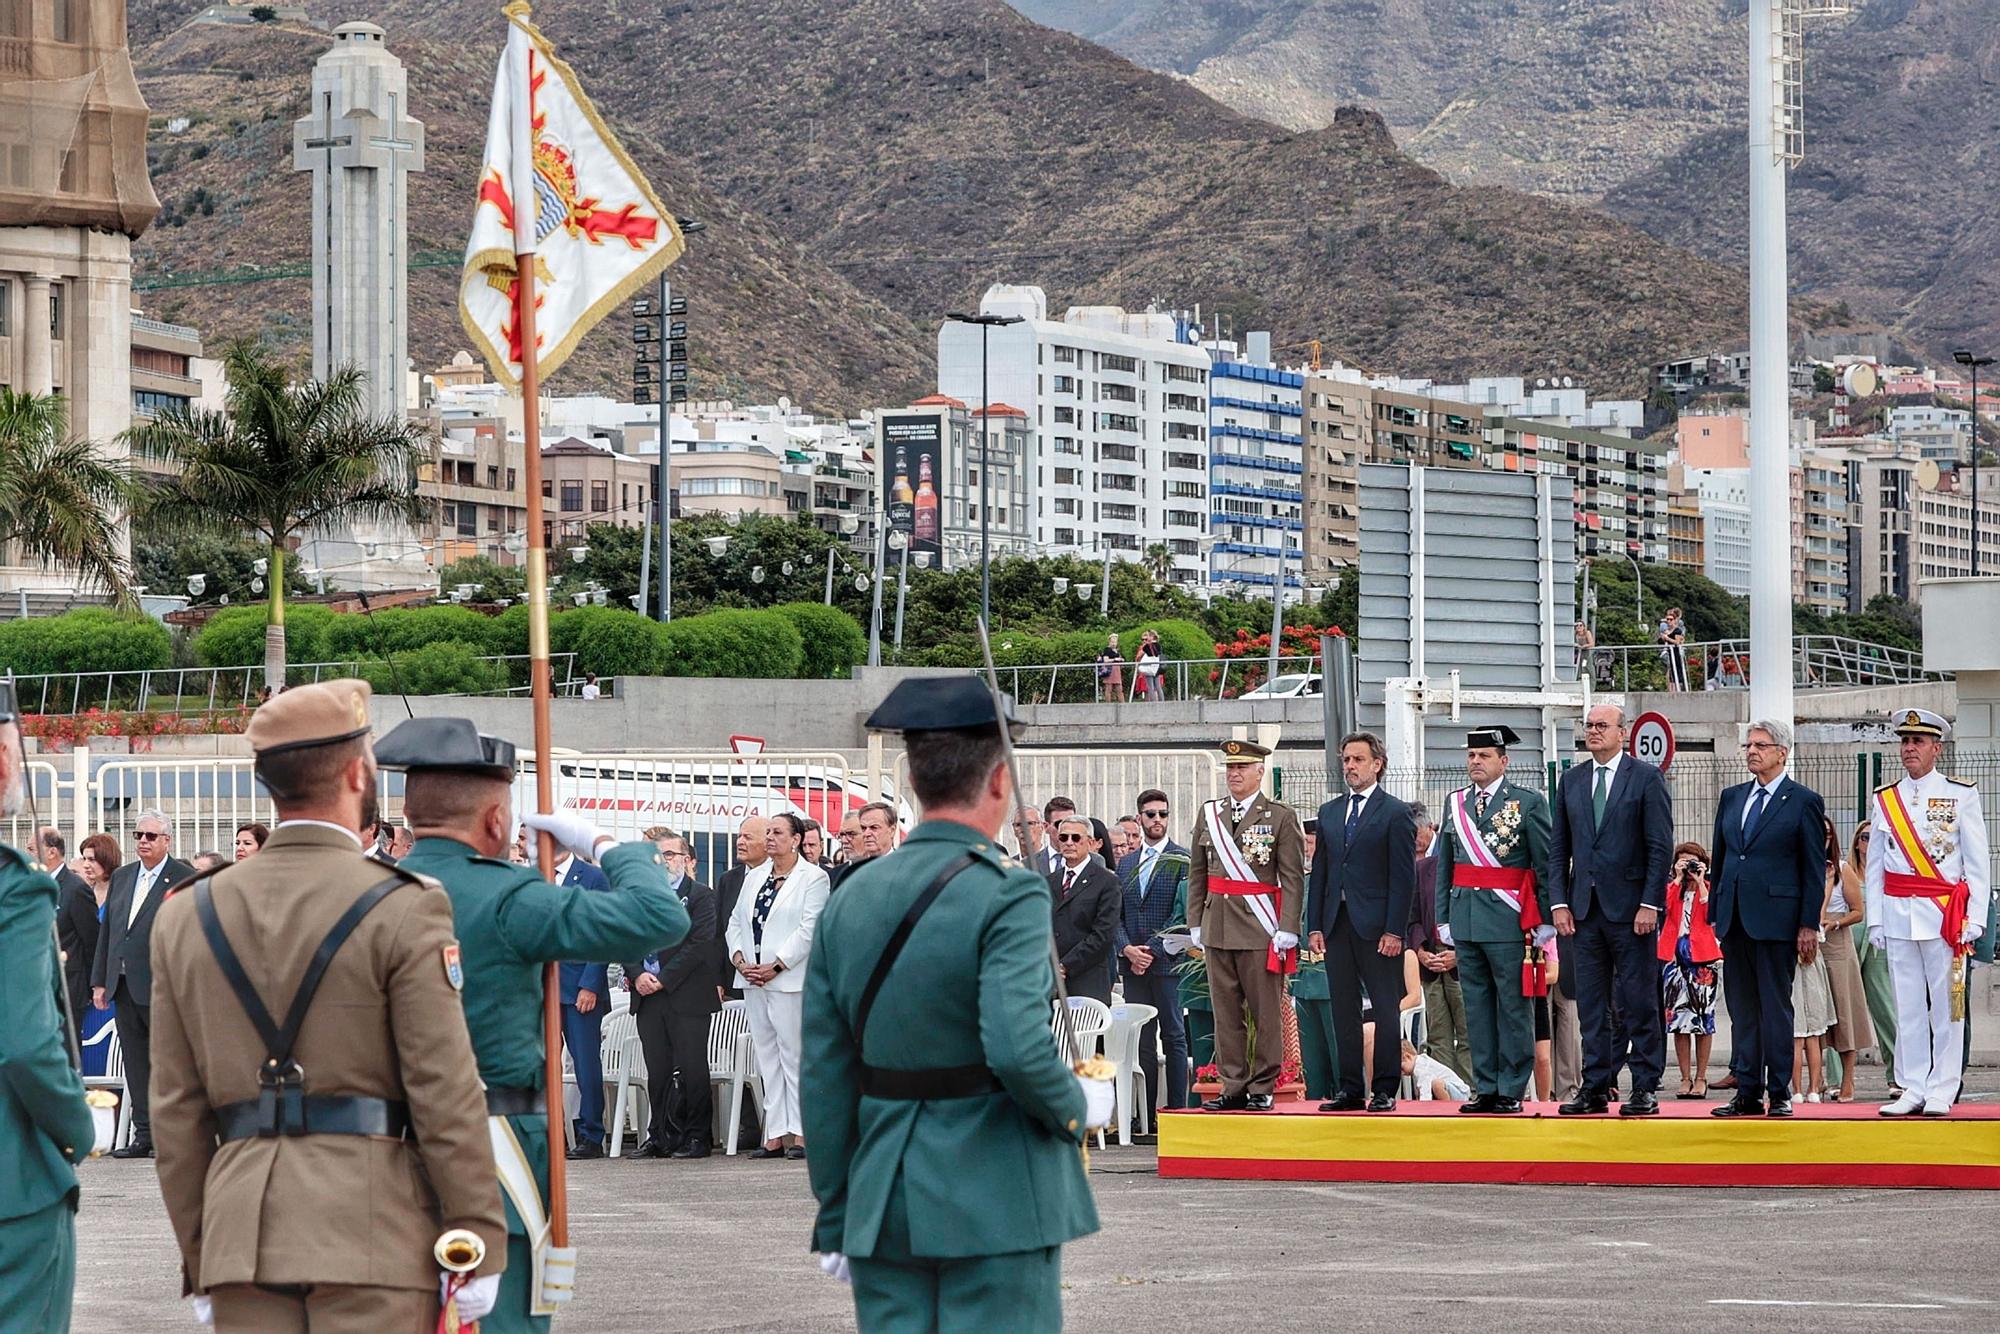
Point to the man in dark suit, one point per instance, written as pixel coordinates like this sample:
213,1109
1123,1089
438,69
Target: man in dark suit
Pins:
1770,881
673,1001
1610,851
1087,902
1152,881
1358,894
582,989
123,969
874,836
1035,842
76,922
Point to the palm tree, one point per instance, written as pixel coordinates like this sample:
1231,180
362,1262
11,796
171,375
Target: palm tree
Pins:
283,460
1159,562
60,501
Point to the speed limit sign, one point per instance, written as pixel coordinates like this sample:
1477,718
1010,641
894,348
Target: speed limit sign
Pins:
1653,740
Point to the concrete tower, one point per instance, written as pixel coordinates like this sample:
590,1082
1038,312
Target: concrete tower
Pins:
359,143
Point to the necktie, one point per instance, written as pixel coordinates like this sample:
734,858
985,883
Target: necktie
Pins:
1479,807
1597,795
1145,871
1353,815
1069,881
1756,809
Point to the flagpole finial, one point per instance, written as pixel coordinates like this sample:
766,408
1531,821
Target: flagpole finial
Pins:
516,9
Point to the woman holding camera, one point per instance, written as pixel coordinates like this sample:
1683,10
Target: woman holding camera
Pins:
1690,968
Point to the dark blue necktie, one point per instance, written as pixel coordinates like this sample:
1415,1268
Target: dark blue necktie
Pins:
1353,816
1757,804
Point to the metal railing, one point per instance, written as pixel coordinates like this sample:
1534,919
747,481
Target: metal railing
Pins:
208,689
1182,679
1819,662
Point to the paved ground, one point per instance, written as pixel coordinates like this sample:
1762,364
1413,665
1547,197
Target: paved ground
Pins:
721,1245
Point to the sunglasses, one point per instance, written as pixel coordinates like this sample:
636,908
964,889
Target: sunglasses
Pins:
145,833
1069,838
1160,814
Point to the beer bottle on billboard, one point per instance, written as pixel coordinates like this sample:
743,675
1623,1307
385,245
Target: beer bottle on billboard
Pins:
901,498
926,529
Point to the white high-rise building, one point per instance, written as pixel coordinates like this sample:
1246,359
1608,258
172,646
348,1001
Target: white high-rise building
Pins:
1256,466
1723,495
1117,412
359,143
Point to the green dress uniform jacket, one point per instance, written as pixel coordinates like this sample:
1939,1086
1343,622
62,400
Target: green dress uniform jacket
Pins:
45,1126
510,923
1486,932
915,1183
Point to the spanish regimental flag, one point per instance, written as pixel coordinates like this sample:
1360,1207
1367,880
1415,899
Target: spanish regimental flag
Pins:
556,183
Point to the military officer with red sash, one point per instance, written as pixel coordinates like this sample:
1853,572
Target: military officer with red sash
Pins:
1245,895
1928,888
1495,834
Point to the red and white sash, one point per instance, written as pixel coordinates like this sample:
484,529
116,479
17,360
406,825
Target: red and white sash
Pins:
1264,901
1924,880
1481,869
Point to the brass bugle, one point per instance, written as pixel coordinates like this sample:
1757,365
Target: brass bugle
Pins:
459,1250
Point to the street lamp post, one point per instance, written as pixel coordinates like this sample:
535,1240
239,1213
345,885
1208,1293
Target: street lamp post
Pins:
1973,363
902,594
985,323
1277,610
1638,589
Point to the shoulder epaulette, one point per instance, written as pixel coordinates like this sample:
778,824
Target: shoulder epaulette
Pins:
1885,787
1961,782
994,855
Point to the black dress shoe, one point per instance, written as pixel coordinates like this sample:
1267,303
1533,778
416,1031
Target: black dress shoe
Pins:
761,1152
1480,1105
1506,1106
650,1149
1226,1102
1780,1107
1741,1107
1585,1104
1259,1102
586,1149
694,1148
1381,1102
137,1149
796,1153
1641,1104
1344,1102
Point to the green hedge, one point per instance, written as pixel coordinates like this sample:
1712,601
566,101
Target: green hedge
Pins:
402,629
834,641
234,636
90,639
611,642
733,643
442,667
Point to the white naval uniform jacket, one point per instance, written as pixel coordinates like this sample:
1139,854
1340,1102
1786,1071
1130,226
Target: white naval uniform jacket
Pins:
1946,816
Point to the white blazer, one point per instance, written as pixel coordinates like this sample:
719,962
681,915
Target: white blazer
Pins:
788,930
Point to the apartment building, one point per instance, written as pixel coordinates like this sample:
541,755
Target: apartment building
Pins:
1821,519
472,485
1722,498
1256,466
1115,415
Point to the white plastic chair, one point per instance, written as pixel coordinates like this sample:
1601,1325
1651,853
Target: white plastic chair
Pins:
113,1078
730,1062
1121,1045
1411,1025
624,1064
1089,1020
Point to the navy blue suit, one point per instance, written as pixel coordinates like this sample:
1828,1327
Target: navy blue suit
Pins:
1768,885
1141,919
1604,873
1359,889
583,1034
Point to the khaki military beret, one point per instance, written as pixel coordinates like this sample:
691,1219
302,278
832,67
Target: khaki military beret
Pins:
314,715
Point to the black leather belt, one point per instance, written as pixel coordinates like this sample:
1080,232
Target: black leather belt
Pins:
314,1114
515,1102
957,1081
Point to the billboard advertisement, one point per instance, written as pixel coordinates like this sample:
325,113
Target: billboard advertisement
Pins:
911,460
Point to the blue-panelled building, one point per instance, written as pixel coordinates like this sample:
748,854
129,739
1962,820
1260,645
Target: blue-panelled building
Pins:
1256,469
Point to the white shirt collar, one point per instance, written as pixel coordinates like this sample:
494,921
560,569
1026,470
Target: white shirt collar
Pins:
563,864
1610,766
1772,786
322,824
1158,849
1364,793
1493,787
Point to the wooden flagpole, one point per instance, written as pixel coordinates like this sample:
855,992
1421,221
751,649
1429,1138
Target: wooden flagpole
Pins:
538,614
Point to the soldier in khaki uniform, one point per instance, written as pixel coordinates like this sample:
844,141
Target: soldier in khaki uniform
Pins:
350,1143
1246,892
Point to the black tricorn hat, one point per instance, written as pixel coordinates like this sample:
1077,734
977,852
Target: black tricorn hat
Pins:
424,745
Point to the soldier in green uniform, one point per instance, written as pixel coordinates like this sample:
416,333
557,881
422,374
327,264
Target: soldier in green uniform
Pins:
1314,1001
458,799
1496,905
946,1125
45,1126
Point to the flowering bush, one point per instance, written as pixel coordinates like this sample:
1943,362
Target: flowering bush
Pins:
64,730
1288,1073
1296,641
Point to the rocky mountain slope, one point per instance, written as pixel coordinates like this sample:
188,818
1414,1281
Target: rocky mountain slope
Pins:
920,149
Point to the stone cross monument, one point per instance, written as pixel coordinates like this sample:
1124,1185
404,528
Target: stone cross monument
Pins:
359,143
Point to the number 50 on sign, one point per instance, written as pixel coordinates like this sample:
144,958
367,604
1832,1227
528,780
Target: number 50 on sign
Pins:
1653,740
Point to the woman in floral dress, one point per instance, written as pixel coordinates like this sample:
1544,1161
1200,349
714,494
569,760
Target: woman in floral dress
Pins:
1690,968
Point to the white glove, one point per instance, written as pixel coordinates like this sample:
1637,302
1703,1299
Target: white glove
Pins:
1285,941
1543,935
1878,938
1100,1102
574,832
834,1265
1194,936
1970,932
204,1311
475,1299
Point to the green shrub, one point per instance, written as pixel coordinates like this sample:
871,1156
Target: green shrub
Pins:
442,667
234,636
733,643
618,643
90,639
1180,641
401,629
834,641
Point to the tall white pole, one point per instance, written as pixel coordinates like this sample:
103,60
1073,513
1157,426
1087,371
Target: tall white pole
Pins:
1770,394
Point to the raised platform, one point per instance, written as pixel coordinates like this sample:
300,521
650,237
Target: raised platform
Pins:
1844,1144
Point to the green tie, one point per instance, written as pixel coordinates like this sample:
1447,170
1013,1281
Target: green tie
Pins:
1597,795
